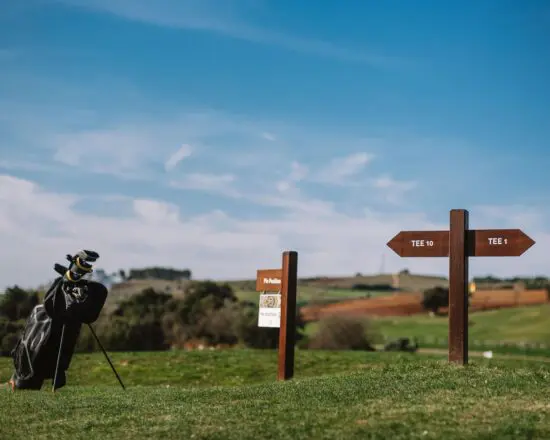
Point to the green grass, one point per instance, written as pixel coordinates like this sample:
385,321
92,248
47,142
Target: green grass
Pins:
503,331
233,395
530,323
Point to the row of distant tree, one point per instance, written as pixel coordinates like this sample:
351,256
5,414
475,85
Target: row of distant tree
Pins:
170,274
159,273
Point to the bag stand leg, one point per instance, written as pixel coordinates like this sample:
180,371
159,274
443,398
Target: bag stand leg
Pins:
58,358
107,357
102,349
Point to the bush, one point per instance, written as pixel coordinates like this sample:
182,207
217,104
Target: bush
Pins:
17,303
9,334
122,334
218,326
207,312
435,298
250,334
341,333
147,304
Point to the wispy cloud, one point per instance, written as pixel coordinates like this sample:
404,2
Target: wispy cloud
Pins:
513,216
298,172
28,165
153,211
393,190
213,183
227,19
340,169
119,152
268,136
183,152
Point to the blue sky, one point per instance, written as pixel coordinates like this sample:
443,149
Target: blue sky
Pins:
231,130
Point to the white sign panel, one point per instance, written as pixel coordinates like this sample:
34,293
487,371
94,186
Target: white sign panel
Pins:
270,310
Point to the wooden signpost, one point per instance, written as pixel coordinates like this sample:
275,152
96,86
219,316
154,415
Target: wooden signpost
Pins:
460,243
279,309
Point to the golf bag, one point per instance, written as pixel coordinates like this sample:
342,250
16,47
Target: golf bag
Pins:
69,302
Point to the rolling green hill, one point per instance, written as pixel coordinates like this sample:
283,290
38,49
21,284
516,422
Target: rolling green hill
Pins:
529,324
519,324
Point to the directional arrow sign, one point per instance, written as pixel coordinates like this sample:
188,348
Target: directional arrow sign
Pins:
459,243
498,242
481,243
420,244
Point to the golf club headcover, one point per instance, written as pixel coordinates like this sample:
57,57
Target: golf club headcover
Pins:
80,265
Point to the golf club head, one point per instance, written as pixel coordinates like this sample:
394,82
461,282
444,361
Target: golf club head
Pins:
60,269
87,255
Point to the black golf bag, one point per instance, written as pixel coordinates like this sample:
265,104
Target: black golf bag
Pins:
69,302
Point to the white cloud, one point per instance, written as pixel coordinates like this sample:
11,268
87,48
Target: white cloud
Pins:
393,190
215,183
182,153
38,227
138,150
225,18
122,152
513,217
340,169
298,172
268,136
155,212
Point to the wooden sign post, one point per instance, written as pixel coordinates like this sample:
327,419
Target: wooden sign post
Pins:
460,243
279,310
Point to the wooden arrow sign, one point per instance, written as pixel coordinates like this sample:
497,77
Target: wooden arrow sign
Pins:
459,243
420,244
498,242
481,243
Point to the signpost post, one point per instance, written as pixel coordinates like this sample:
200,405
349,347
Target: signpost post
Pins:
458,244
279,309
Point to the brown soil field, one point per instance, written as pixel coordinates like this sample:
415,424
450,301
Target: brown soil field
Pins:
494,299
405,304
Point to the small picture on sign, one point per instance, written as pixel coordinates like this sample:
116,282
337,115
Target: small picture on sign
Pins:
270,301
269,314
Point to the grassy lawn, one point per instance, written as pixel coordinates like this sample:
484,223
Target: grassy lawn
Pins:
530,323
502,331
233,395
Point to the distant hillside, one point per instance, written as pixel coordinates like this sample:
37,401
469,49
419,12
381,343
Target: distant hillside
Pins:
403,281
310,289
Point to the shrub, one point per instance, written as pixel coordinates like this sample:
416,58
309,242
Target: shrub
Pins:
17,303
250,334
342,333
9,333
435,298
